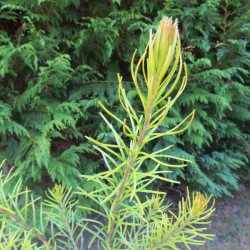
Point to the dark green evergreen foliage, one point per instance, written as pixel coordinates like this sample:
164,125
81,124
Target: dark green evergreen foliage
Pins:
215,36
58,58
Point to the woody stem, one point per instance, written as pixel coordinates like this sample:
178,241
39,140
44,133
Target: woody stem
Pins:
128,168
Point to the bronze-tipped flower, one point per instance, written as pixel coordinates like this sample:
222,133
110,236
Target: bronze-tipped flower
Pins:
162,48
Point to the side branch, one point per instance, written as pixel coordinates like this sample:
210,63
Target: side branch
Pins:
26,227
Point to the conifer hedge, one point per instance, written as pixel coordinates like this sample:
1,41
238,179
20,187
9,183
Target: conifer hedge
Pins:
59,58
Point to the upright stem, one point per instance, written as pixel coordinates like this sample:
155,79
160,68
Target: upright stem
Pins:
68,227
225,23
224,29
131,161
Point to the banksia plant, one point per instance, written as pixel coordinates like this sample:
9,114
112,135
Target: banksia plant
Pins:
134,217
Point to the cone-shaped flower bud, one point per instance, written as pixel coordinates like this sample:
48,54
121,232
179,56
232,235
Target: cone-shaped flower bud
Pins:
160,61
162,49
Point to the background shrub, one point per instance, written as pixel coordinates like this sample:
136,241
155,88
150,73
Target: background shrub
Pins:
58,58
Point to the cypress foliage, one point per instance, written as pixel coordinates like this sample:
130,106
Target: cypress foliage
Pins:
215,35
59,58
